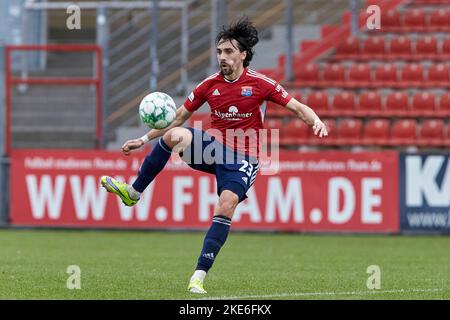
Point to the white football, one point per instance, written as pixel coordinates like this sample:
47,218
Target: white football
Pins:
157,110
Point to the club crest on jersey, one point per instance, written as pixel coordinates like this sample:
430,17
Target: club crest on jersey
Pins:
246,91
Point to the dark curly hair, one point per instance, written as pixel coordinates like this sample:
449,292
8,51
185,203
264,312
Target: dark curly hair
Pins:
244,33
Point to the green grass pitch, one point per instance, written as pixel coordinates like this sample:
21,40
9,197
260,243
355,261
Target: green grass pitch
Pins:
157,265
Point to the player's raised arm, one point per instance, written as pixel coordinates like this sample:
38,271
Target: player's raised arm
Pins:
309,116
182,115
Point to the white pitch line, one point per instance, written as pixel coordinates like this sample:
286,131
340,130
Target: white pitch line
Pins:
306,294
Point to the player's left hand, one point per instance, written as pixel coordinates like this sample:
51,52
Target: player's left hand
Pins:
320,128
131,145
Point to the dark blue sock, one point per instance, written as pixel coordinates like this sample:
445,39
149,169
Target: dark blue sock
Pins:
214,240
152,165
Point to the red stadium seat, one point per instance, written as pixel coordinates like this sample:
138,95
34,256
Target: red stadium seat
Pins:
447,134
344,104
438,75
331,127
444,105
297,95
349,132
374,48
370,104
376,132
391,21
296,132
397,104
318,101
359,75
400,48
431,133
445,54
426,48
333,75
349,49
307,75
429,2
276,110
386,75
424,104
404,132
332,134
411,75
272,109
414,20
439,21
272,124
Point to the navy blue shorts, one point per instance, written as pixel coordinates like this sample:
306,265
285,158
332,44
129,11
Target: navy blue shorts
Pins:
234,171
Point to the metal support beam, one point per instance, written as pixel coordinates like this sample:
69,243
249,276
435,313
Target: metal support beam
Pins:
4,163
221,14
218,19
25,40
289,16
154,62
355,17
2,100
214,22
184,48
103,42
4,196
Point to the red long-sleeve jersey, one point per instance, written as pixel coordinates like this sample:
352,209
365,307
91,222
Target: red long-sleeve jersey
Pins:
237,112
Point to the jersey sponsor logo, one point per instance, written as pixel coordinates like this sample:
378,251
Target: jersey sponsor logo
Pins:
232,114
246,91
216,93
233,109
191,97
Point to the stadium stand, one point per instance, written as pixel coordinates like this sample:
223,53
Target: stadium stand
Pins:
404,132
384,87
376,132
295,132
431,132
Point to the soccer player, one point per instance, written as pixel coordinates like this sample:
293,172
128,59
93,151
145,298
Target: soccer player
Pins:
235,95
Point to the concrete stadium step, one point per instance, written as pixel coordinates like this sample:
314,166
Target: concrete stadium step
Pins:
32,104
58,96
65,91
62,109
86,129
62,139
52,119
60,144
267,51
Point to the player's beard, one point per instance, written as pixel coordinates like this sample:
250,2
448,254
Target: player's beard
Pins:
226,69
